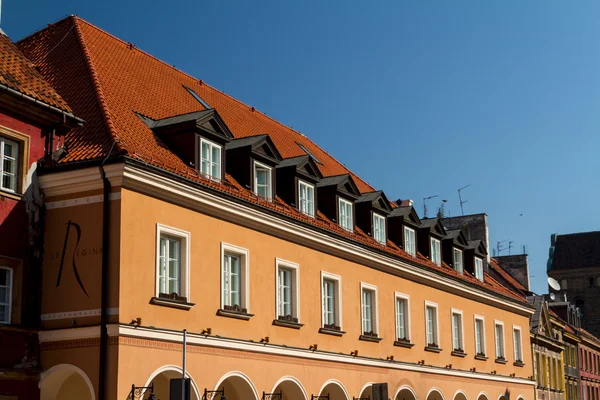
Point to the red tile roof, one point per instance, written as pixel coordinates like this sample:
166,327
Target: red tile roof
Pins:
107,81
19,74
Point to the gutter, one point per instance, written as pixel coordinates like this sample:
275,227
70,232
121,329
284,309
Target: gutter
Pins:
104,286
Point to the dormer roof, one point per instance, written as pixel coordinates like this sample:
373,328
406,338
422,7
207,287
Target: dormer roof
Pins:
458,238
434,226
260,146
304,165
205,120
343,184
478,246
377,199
408,214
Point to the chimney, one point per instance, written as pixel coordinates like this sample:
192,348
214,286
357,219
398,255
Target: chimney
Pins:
404,203
516,266
475,227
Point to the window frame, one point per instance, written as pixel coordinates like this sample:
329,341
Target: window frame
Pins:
11,288
184,264
461,330
462,261
382,230
337,299
17,161
374,308
406,299
211,161
413,250
244,255
259,165
341,201
518,328
295,268
476,269
503,343
483,344
436,325
23,149
312,187
438,253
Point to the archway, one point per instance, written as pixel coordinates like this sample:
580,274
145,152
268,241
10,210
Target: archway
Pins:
435,394
405,393
66,381
483,396
290,389
237,386
460,395
335,390
161,379
367,391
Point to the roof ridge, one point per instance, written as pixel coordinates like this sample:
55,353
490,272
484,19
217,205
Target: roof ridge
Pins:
97,86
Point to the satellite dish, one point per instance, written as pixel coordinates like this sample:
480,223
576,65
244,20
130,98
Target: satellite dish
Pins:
553,283
552,296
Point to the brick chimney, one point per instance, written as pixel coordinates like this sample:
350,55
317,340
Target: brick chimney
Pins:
517,266
475,227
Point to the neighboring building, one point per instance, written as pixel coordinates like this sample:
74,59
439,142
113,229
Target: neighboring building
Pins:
178,207
32,117
589,366
575,263
568,313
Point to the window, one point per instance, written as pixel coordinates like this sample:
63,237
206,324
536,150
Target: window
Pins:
379,228
306,198
234,280
402,318
431,324
517,344
332,301
563,284
6,282
409,241
499,333
288,304
457,331
172,264
9,161
369,309
210,164
345,214
479,336
479,268
436,254
262,181
458,264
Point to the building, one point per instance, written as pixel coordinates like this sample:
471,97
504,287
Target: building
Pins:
32,118
569,314
178,207
589,369
575,263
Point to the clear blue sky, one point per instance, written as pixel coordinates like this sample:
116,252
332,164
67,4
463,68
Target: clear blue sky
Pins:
419,98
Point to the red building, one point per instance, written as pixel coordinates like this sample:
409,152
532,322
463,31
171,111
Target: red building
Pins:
589,366
33,117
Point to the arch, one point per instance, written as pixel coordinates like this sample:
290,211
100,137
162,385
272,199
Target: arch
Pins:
65,380
335,389
367,390
435,394
503,396
483,396
460,395
520,397
291,388
237,386
405,392
166,372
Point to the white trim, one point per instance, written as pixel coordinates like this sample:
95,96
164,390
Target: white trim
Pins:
401,388
80,180
439,252
462,327
210,160
245,268
295,285
406,298
71,368
336,382
237,374
339,215
435,389
382,227
497,322
462,260
437,322
517,328
475,268
374,315
338,295
404,245
484,394
11,291
184,264
289,378
366,385
459,391
314,190
177,369
78,314
81,201
482,319
255,182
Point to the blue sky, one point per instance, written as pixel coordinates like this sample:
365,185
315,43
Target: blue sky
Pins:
418,98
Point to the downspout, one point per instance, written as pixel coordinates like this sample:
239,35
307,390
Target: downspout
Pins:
104,283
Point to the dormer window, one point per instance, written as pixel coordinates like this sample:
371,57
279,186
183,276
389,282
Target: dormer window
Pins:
379,228
262,181
210,165
306,198
436,252
458,261
345,214
409,241
479,268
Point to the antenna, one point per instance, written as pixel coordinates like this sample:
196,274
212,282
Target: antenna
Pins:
425,204
553,283
461,200
510,242
499,246
441,211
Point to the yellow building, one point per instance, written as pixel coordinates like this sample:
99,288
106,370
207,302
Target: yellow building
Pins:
177,207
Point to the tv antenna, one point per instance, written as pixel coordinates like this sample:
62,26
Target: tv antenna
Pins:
500,247
425,204
461,200
441,211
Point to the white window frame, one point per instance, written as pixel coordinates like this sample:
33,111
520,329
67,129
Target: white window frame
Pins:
184,264
345,203
374,307
312,187
518,328
477,270
406,299
503,355
338,298
211,161
295,268
436,260
436,325
462,262
8,314
17,173
483,344
270,180
381,231
244,255
410,250
461,330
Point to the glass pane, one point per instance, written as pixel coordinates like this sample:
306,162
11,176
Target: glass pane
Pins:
216,171
205,150
162,285
9,150
3,276
204,167
3,295
173,269
8,182
174,286
174,249
3,313
261,176
216,154
9,166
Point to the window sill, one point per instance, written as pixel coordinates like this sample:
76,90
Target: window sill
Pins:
332,332
519,364
234,314
500,360
10,195
368,338
401,343
182,305
457,353
481,357
287,324
433,349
